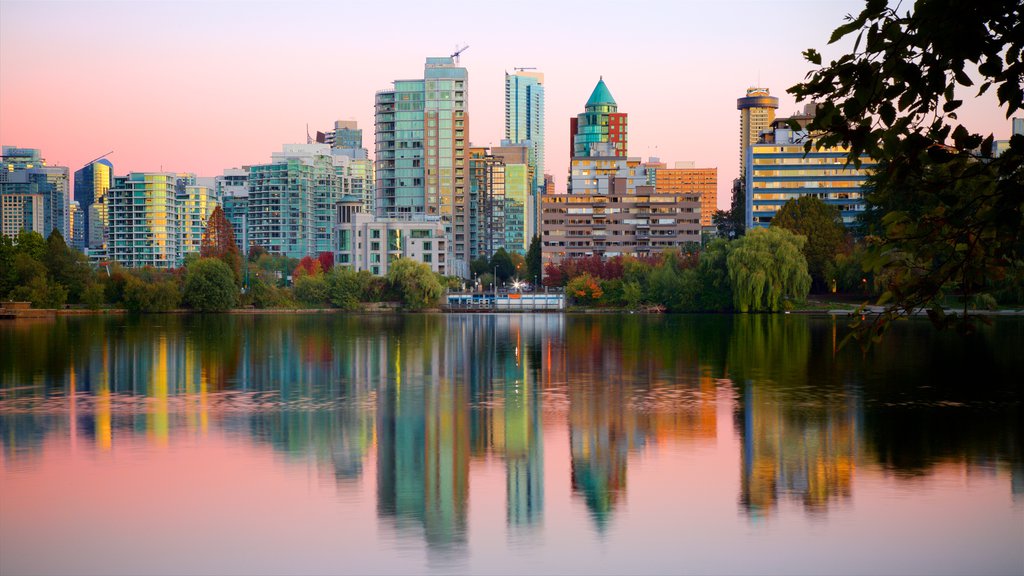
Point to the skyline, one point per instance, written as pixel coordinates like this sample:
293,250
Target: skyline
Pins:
197,87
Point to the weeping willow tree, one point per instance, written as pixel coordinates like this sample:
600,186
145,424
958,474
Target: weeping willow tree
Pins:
767,267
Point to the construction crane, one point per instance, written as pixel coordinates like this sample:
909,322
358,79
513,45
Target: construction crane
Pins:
455,55
522,68
98,158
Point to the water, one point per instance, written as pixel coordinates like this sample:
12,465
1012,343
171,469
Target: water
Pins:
507,444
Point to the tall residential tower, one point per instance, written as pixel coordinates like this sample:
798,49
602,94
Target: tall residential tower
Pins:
524,117
757,112
421,128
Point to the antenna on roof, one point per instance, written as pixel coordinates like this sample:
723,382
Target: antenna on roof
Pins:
521,68
98,158
455,55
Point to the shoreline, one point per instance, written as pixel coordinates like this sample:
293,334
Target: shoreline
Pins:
394,308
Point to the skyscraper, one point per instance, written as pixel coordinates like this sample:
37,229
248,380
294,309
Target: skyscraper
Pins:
143,219
91,184
757,111
346,135
291,209
601,123
421,128
31,183
232,188
524,118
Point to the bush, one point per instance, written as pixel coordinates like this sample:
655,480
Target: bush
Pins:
42,293
416,284
343,289
92,296
160,296
311,289
210,286
584,290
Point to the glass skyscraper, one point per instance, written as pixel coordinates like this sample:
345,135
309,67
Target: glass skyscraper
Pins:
292,201
524,117
143,220
91,184
422,151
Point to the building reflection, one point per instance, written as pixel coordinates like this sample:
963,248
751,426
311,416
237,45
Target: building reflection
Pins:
800,439
424,400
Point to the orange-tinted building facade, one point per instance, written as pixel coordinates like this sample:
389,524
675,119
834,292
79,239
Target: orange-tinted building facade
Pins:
704,181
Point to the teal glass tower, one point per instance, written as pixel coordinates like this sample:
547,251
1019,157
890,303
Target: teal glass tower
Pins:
524,117
422,151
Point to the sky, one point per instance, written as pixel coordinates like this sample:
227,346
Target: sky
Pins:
196,86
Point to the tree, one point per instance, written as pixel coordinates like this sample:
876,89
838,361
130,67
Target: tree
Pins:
41,292
311,289
894,98
149,296
343,288
533,260
731,223
766,269
66,266
501,263
822,225
713,271
584,289
416,283
210,286
219,242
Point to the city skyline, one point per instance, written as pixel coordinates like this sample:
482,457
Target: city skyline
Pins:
195,87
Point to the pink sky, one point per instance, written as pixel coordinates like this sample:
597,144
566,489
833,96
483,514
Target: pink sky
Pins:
200,87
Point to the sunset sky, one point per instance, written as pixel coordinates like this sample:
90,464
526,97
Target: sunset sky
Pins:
202,86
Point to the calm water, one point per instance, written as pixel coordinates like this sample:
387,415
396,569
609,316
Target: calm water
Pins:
507,444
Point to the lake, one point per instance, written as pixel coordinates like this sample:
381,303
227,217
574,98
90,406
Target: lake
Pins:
508,444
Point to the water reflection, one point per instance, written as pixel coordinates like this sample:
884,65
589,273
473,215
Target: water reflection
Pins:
421,400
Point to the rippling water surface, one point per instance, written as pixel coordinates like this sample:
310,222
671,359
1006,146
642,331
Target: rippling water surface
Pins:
507,444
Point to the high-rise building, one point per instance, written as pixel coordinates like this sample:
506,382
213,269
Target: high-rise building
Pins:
195,205
76,224
422,152
610,209
600,124
757,112
24,173
292,201
143,219
19,212
232,188
346,135
521,196
685,178
779,169
91,184
524,118
487,190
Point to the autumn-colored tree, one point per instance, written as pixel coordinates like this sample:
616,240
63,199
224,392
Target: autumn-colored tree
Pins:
326,260
219,242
